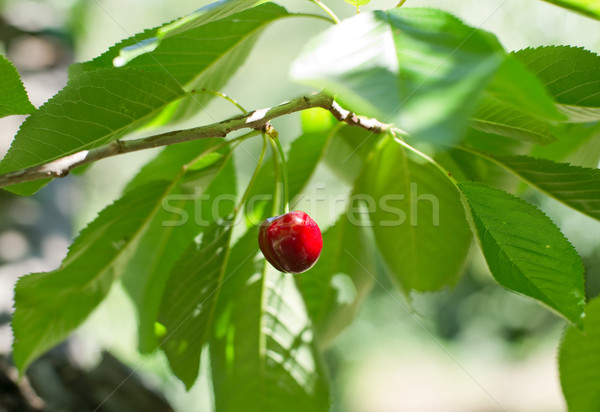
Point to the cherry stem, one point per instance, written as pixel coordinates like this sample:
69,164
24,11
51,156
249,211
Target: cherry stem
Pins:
286,190
254,175
276,195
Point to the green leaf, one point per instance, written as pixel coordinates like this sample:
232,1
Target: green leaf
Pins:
104,104
199,52
493,116
579,362
570,75
90,111
421,69
262,351
14,98
49,306
334,289
525,251
187,308
418,219
171,230
575,186
149,40
590,8
518,87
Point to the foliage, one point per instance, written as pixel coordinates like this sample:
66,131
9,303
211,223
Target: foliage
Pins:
432,94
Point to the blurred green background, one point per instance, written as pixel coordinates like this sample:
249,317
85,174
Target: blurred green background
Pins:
473,348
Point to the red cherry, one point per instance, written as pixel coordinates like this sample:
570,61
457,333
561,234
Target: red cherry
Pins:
291,243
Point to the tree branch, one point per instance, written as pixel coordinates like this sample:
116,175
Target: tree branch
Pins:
256,119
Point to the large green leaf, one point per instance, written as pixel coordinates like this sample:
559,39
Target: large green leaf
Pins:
104,104
570,74
13,99
199,53
263,355
148,41
187,308
421,69
172,229
418,219
189,297
579,362
334,289
90,111
48,306
525,251
575,186
590,8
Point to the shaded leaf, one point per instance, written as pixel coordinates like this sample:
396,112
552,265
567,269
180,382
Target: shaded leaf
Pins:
575,186
187,308
189,297
171,230
525,251
263,355
418,219
49,306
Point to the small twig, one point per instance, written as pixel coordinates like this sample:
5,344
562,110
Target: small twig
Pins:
256,119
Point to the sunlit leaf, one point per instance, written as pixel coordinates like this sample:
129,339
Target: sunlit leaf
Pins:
577,187
571,76
13,99
421,69
589,8
525,251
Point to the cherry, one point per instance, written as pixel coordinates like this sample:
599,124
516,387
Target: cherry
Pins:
291,242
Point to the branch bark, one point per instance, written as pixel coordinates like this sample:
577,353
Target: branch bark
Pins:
256,119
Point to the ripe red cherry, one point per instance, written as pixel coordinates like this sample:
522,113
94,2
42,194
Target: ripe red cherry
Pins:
291,243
